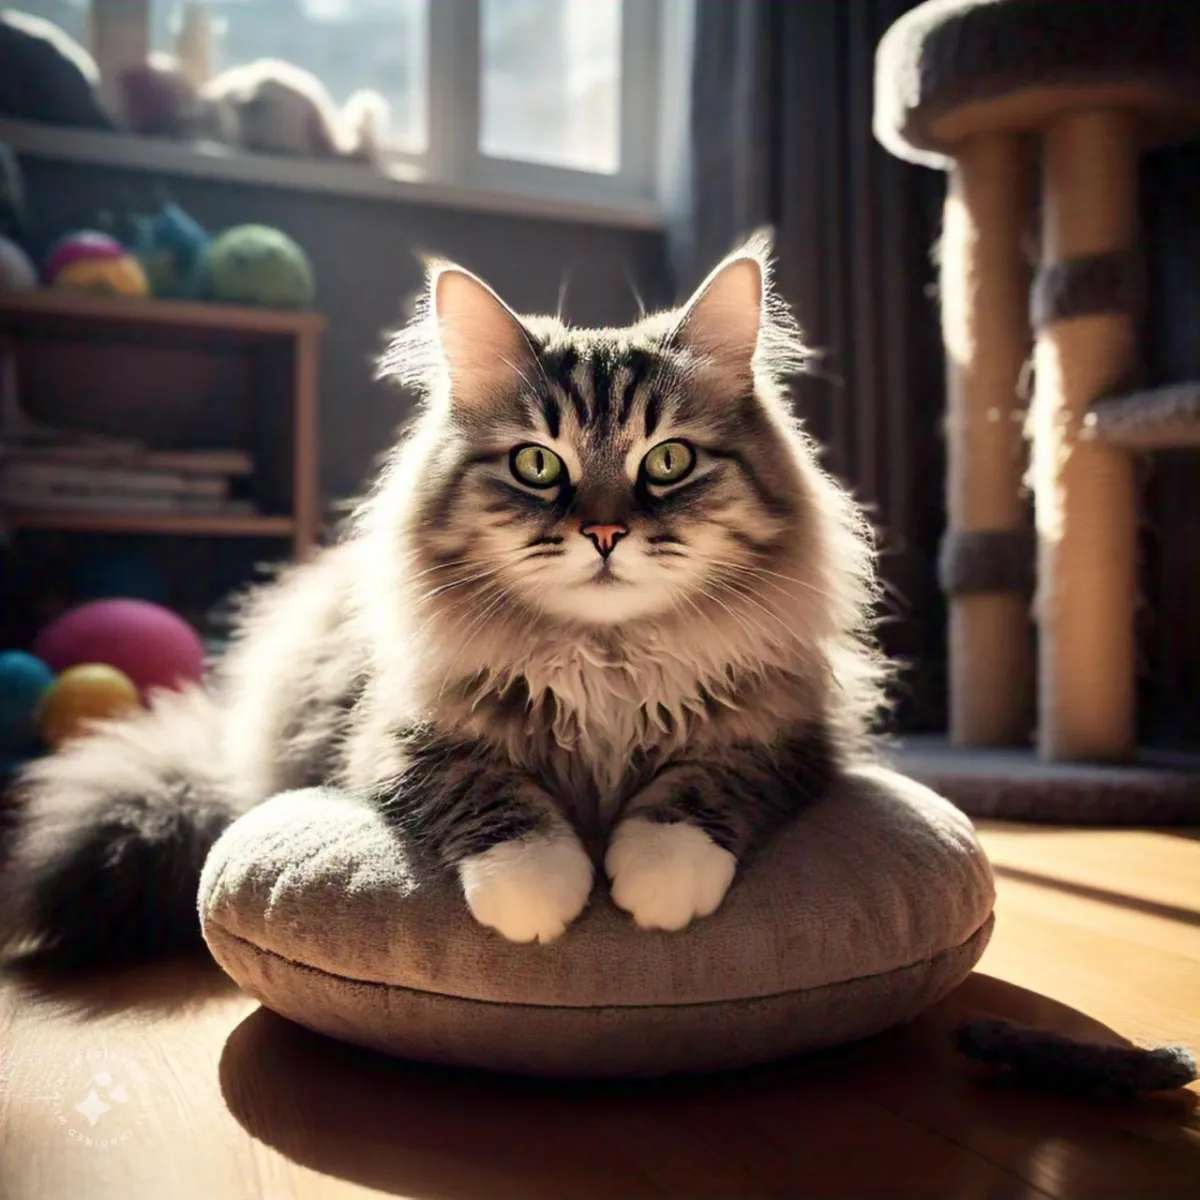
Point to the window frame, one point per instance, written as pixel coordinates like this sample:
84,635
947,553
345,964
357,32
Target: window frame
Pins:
454,73
453,162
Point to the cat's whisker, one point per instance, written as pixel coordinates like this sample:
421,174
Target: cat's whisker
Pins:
748,597
740,619
474,630
763,573
457,583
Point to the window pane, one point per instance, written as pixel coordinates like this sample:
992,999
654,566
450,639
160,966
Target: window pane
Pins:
550,91
69,15
346,44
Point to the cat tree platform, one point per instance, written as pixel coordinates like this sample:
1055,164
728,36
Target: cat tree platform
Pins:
1043,106
1011,784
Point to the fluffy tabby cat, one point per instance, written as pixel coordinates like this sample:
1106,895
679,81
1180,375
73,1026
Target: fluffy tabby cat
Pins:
602,611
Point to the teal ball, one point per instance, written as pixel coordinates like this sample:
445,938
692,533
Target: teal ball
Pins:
24,680
258,265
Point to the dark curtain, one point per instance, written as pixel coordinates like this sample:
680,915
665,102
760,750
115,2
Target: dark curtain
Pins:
781,134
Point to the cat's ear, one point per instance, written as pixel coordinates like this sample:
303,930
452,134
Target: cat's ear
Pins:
485,348
723,321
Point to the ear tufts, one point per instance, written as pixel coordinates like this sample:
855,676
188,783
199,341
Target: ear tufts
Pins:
463,334
485,347
736,323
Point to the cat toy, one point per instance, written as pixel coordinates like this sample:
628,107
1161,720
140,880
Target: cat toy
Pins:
1037,1060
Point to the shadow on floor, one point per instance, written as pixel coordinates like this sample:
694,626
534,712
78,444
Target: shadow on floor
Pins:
414,1130
160,988
1153,908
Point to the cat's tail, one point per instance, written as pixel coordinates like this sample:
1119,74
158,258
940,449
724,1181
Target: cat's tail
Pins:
108,837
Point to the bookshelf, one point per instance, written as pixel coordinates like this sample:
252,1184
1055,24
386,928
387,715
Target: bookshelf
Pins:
177,376
185,524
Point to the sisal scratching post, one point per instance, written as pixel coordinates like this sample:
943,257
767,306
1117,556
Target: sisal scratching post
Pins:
1085,496
1092,86
984,293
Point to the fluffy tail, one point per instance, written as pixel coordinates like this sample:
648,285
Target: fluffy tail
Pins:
111,834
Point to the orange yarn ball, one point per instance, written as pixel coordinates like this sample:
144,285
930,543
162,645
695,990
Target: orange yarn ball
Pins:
80,695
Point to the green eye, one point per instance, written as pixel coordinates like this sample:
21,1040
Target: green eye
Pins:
535,466
669,462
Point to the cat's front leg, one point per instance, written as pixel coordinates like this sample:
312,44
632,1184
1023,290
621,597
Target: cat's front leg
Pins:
675,852
522,868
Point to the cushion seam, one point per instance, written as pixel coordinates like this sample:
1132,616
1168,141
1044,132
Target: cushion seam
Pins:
399,987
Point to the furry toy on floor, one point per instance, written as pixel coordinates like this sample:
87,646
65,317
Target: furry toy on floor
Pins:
1042,1061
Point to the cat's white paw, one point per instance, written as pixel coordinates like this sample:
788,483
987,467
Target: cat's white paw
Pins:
528,891
665,876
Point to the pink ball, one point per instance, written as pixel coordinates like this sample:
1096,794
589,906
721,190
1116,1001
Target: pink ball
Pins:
86,245
149,643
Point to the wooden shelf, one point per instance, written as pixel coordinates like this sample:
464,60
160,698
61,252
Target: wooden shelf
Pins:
228,318
186,524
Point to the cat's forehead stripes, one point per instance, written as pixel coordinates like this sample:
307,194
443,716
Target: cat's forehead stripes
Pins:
601,388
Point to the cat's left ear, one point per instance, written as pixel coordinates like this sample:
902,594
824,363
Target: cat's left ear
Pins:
485,347
723,320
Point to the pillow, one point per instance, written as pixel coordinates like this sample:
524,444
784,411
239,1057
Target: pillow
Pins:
876,903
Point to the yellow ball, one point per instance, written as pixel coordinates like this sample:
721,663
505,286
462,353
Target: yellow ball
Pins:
80,695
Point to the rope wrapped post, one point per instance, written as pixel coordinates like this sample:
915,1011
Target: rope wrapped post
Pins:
984,297
1085,494
1093,85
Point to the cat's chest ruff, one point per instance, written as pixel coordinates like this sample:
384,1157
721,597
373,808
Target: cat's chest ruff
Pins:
611,701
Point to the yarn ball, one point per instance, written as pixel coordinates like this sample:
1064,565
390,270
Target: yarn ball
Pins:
149,643
85,245
116,277
17,272
94,262
24,681
171,246
81,695
258,265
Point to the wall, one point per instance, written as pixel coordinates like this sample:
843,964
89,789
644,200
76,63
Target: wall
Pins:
1170,613
362,252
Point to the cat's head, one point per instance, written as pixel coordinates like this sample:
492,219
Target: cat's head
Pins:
603,477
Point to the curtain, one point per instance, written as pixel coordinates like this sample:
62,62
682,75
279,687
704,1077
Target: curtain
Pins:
780,134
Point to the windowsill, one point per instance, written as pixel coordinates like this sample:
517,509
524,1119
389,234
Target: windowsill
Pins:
401,184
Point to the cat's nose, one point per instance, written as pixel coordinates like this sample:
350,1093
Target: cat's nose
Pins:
604,537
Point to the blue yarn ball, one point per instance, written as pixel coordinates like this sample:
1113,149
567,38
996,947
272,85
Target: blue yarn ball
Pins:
23,682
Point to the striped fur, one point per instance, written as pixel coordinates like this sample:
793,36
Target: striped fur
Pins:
519,706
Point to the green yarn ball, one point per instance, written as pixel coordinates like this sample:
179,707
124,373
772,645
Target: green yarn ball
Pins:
258,265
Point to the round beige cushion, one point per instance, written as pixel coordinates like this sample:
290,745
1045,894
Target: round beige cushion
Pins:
872,906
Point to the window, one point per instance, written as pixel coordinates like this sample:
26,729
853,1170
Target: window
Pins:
546,98
346,44
550,72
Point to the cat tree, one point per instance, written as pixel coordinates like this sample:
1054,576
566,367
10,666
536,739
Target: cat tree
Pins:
1038,110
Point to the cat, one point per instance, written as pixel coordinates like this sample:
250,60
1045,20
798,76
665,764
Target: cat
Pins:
277,108
601,611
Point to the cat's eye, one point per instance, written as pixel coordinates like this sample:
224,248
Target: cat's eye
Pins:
535,466
669,462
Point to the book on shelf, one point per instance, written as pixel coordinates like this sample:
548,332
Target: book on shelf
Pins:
129,456
52,500
183,462
17,474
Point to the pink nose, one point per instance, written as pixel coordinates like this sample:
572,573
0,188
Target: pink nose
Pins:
604,537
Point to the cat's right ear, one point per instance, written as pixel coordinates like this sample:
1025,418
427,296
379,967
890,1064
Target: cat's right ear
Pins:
486,350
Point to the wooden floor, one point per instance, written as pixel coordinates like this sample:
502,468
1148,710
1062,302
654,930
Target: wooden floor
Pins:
210,1098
